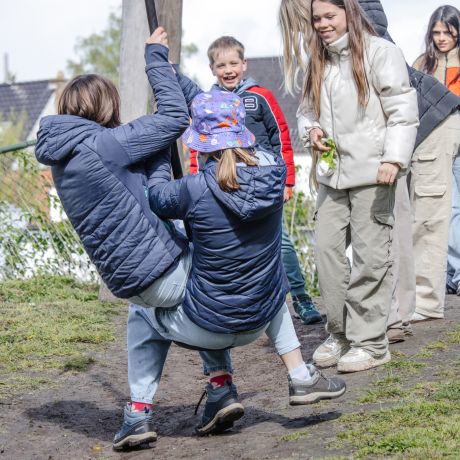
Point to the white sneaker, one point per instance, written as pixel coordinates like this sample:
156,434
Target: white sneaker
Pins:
330,351
358,359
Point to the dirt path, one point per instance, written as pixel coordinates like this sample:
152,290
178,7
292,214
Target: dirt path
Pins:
78,417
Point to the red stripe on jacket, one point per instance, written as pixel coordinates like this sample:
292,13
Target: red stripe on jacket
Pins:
285,139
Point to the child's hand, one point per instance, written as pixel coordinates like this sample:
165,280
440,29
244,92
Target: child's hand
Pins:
159,36
287,193
316,134
387,173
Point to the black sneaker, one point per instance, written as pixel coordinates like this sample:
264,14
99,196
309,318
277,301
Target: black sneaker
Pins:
322,388
221,410
137,429
305,309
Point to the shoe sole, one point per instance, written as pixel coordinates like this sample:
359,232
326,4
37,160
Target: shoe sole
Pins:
135,440
313,398
364,365
424,320
223,420
397,340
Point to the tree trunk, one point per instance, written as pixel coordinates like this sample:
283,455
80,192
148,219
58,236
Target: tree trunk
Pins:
170,17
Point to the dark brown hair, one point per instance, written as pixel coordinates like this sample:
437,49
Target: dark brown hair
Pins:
92,97
319,56
450,17
224,43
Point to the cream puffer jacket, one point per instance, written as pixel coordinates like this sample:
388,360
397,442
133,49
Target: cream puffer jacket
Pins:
384,131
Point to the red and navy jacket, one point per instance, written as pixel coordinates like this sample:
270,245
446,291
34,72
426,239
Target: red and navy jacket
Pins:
265,119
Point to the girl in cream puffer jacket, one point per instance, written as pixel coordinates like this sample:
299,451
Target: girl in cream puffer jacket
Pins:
382,131
357,93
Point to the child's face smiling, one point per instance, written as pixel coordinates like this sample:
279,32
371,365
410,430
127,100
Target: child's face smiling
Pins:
329,21
228,68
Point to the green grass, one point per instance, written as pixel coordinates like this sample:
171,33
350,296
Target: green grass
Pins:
416,429
295,436
419,420
383,390
49,324
401,363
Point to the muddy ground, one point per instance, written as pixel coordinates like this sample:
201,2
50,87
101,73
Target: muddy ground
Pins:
77,418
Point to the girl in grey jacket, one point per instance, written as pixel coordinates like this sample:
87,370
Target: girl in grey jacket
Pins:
359,116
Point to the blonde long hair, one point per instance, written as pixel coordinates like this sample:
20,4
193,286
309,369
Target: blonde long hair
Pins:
226,166
294,19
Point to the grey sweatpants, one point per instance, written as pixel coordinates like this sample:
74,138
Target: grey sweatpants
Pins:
357,300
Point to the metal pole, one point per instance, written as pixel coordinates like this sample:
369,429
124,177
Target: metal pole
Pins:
14,147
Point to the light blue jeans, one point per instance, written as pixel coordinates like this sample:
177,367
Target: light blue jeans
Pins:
453,255
169,290
151,331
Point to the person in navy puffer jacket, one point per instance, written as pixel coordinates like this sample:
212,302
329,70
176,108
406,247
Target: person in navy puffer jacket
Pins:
99,170
237,287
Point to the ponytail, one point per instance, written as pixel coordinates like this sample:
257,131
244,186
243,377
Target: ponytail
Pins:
226,166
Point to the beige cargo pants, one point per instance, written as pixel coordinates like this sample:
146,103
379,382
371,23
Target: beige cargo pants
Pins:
431,192
357,298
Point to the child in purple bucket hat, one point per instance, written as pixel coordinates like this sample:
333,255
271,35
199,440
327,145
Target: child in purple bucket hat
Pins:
217,123
236,287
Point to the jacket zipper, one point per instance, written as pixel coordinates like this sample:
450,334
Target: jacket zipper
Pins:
333,124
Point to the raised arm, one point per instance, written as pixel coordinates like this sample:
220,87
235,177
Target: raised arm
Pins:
152,133
189,88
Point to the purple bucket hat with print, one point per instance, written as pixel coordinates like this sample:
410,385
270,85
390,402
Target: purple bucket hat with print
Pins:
217,123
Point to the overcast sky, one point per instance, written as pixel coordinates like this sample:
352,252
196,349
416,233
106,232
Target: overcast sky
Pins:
39,35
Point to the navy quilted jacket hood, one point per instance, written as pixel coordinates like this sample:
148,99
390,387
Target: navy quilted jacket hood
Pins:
60,135
258,193
100,175
237,281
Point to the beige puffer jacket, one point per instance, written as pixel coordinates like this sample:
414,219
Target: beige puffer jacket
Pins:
384,131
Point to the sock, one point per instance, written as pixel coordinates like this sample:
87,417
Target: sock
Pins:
219,381
140,406
303,372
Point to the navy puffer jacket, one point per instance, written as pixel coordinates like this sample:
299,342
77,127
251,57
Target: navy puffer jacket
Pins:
435,101
237,282
100,176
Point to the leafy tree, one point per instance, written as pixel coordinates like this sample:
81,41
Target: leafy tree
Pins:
100,53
